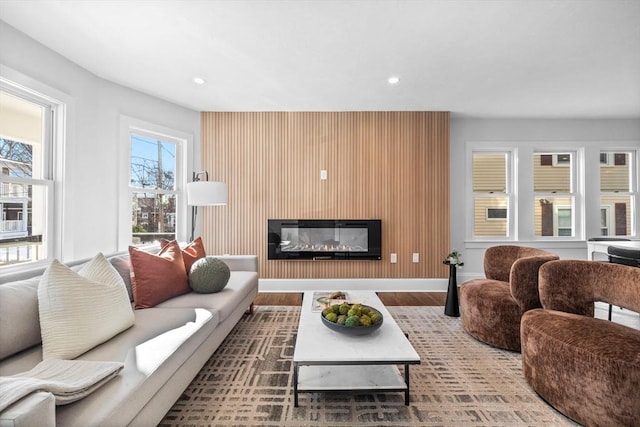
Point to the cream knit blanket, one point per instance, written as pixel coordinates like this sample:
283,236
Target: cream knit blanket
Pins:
68,380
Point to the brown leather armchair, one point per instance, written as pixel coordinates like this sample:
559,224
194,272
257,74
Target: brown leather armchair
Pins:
491,308
586,368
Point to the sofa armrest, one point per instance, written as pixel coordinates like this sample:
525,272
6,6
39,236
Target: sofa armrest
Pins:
36,409
240,262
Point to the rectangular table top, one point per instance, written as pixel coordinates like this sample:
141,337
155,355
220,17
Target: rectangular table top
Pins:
317,344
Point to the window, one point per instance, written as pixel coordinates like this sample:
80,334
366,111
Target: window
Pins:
153,165
562,160
554,198
606,159
496,213
26,179
605,222
153,188
563,225
617,192
555,160
491,194
562,192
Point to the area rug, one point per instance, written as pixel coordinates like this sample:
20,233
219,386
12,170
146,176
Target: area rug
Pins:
460,382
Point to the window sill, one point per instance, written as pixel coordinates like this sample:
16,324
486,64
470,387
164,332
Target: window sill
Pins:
558,244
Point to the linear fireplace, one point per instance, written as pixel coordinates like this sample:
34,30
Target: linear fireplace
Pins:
325,239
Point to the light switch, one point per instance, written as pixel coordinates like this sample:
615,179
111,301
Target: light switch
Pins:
323,174
416,257
394,258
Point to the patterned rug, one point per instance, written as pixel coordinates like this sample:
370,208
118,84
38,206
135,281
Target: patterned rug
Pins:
460,382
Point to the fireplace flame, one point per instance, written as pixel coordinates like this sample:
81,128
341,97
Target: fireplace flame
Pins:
320,247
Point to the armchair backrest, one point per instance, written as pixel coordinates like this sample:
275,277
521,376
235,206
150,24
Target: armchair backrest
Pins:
524,280
518,265
573,286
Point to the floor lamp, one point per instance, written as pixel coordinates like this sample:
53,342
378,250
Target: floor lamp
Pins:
204,193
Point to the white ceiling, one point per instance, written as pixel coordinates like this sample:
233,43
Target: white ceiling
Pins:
491,58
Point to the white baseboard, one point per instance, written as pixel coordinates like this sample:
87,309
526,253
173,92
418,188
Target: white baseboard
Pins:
395,285
389,285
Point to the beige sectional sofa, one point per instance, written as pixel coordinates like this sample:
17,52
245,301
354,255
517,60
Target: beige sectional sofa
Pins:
161,353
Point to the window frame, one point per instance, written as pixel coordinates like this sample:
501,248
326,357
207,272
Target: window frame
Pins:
184,152
54,140
573,195
607,209
509,193
587,201
633,159
556,220
148,190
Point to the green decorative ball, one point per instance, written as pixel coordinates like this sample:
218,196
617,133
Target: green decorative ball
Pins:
209,275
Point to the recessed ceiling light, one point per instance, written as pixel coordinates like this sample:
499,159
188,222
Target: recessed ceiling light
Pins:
199,80
393,80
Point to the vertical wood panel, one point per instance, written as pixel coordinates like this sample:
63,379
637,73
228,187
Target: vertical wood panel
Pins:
392,166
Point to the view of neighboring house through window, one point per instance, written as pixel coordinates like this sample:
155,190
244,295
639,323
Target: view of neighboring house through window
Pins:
491,194
25,178
554,199
616,193
153,188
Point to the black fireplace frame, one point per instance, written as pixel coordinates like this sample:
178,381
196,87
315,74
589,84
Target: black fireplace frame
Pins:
374,246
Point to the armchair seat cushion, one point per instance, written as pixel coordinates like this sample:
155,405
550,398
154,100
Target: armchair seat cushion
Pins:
587,368
490,314
240,286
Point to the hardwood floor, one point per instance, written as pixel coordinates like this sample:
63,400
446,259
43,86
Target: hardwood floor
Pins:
413,298
278,298
388,298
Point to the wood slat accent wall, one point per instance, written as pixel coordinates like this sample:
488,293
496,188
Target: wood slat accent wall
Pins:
392,166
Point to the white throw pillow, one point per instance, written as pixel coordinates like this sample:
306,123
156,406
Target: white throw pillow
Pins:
80,310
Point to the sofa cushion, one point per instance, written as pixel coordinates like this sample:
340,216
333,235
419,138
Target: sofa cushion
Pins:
81,310
240,285
19,322
152,350
209,275
190,253
157,278
122,264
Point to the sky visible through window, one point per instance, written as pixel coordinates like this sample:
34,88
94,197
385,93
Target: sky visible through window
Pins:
148,156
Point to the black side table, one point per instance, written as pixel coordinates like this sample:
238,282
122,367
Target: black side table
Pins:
451,307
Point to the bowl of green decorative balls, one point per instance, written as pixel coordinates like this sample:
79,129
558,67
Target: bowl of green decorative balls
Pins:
352,319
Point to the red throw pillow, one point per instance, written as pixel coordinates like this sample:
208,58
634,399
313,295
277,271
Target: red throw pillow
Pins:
191,253
157,278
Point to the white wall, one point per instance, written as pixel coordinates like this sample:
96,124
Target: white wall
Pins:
91,165
606,131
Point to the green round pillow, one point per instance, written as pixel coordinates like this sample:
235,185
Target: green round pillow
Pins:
209,275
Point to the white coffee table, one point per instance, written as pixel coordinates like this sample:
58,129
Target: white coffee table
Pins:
328,361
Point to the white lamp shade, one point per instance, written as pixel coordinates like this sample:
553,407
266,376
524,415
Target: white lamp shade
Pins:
206,193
